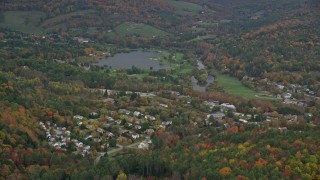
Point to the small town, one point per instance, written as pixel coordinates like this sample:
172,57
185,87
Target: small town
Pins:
159,89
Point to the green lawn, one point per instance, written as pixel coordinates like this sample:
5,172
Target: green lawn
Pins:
185,69
23,21
178,56
234,86
183,8
139,76
181,64
130,28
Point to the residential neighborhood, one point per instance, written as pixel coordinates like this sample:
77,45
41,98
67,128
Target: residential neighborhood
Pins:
111,130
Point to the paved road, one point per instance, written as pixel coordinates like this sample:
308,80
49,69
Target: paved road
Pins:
96,161
123,147
314,97
98,158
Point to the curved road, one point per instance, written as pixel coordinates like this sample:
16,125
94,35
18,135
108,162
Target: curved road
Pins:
96,161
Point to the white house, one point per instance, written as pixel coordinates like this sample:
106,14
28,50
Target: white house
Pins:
162,126
124,111
217,116
80,144
282,129
67,133
88,137
227,106
143,145
109,134
100,130
110,119
280,86
136,113
166,123
57,144
135,136
211,104
243,121
286,95
164,105
149,131
79,117
151,118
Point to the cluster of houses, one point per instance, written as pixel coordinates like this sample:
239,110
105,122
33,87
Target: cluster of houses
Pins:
294,88
59,138
290,89
131,128
219,117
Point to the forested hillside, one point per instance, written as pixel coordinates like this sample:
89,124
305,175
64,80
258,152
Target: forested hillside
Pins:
278,42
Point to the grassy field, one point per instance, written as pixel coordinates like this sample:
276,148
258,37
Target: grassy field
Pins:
59,21
234,86
170,17
201,38
23,21
130,28
30,21
183,8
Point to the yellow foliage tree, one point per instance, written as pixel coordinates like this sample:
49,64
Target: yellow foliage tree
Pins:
89,50
122,176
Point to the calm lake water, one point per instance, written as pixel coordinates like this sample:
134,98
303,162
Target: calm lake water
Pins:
140,59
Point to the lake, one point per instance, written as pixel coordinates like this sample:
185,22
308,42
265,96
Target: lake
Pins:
141,59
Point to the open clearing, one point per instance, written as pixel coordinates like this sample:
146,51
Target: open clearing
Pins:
59,21
183,8
234,86
130,28
202,38
23,21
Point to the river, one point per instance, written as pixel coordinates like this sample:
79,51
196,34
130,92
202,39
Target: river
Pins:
195,85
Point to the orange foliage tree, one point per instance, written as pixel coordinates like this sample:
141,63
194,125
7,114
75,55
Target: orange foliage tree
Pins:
225,171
